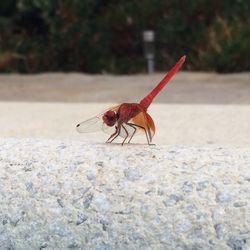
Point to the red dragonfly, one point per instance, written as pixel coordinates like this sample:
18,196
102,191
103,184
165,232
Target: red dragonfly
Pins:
127,118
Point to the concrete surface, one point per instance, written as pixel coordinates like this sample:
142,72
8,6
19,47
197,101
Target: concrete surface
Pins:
72,195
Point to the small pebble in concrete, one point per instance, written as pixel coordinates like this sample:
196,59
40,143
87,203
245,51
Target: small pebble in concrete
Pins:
191,208
74,244
91,174
101,202
240,204
220,231
223,197
43,245
202,185
132,174
187,187
202,216
196,233
183,226
58,228
99,164
172,200
218,214
104,224
60,202
236,243
88,200
81,218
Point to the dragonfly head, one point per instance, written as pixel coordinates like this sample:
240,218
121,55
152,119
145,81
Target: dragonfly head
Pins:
109,118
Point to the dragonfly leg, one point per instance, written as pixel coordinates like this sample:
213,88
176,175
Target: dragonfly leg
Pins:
126,135
112,135
129,124
149,133
146,132
117,133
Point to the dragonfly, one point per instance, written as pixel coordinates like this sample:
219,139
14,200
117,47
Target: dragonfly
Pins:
126,119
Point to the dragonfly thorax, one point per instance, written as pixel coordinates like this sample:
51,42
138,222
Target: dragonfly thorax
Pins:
110,118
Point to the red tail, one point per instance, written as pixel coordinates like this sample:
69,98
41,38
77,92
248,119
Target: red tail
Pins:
146,101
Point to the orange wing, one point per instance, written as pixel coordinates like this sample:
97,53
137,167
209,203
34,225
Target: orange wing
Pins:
113,108
143,119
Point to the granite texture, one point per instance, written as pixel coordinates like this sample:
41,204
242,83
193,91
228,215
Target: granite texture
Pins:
71,195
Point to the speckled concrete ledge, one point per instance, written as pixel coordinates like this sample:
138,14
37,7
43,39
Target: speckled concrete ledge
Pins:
70,195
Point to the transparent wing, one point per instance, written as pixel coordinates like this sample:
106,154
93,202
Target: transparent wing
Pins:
108,130
93,124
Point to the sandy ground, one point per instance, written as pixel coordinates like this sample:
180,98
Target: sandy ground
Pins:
196,88
194,109
176,123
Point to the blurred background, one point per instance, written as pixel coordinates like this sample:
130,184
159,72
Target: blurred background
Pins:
105,36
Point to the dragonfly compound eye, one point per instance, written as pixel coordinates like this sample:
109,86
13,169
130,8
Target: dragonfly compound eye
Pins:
109,118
